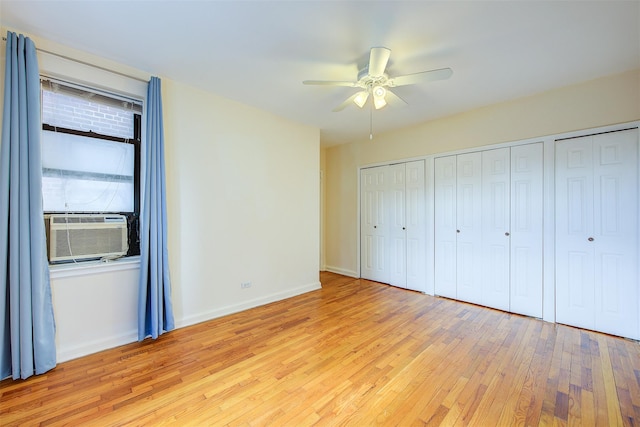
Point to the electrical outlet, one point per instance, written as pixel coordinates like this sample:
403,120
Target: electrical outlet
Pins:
245,285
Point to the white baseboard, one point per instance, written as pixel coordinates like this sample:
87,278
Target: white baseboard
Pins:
64,354
95,346
245,305
342,271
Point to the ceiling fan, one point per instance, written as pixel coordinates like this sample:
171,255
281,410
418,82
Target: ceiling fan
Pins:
375,83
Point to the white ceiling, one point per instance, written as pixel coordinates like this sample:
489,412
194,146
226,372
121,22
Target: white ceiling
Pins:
259,52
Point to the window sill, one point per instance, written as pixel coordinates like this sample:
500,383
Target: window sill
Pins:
87,268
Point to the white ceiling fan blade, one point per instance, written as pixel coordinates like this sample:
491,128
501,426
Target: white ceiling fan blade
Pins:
394,100
378,59
346,103
424,76
330,83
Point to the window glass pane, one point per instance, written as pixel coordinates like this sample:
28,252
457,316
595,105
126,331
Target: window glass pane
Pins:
74,112
62,194
86,174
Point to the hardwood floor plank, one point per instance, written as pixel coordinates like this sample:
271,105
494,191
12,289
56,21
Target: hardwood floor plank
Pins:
611,395
512,413
599,396
352,353
530,400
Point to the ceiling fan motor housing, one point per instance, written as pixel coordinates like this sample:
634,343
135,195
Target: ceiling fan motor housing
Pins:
367,81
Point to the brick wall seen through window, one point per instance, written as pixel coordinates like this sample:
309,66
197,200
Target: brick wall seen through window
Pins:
82,114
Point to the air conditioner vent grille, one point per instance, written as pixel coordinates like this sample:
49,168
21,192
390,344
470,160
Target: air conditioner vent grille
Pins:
77,237
77,220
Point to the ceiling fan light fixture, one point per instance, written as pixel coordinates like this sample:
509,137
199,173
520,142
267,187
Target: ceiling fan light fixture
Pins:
361,98
379,103
378,97
379,92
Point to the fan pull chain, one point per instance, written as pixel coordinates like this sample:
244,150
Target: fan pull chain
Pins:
371,122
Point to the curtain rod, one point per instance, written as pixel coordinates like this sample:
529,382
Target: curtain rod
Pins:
88,64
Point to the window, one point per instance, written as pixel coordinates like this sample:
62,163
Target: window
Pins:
91,154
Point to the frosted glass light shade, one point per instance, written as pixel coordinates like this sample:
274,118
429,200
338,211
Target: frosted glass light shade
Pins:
378,97
361,98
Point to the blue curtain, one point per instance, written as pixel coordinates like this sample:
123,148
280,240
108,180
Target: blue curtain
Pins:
155,312
27,331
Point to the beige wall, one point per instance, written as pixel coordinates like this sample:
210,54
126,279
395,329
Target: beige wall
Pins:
243,205
609,100
243,202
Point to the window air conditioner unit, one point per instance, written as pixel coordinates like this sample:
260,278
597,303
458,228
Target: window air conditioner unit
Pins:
81,237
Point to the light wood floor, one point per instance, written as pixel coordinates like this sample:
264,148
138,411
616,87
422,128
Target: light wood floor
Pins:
355,353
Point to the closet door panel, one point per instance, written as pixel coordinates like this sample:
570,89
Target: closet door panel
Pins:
597,233
415,226
575,255
495,249
615,232
392,222
445,236
469,229
526,229
397,213
373,224
367,215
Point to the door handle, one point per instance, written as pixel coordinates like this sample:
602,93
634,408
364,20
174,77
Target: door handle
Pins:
404,228
506,234
457,231
591,239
